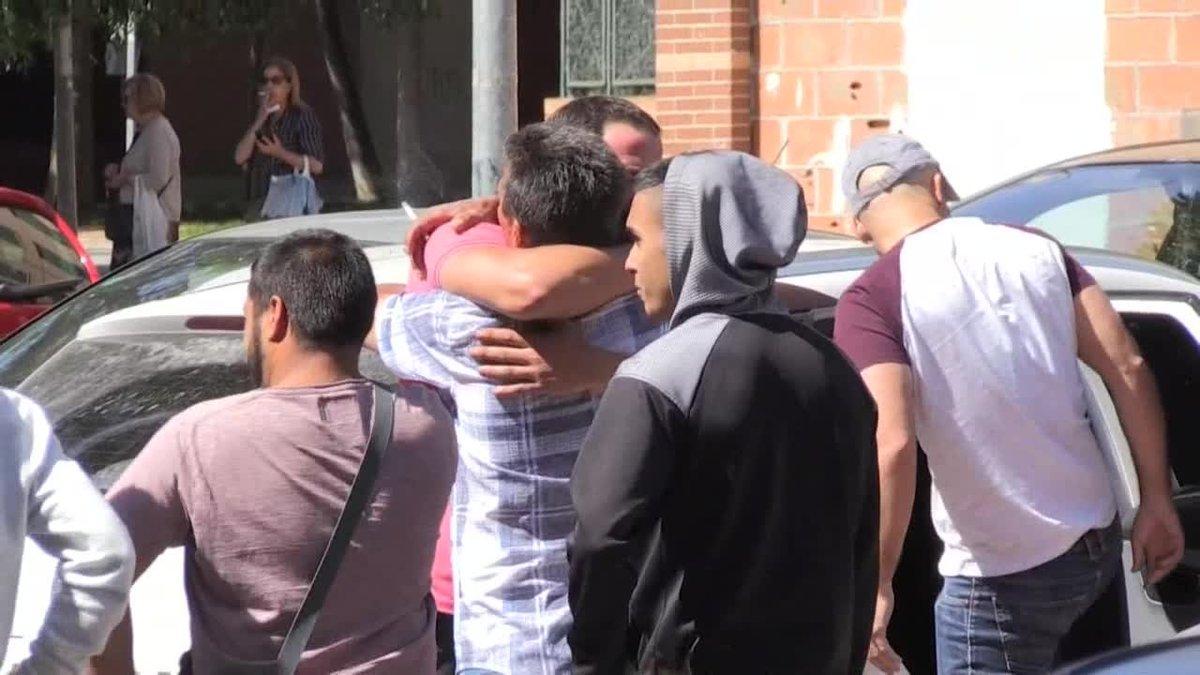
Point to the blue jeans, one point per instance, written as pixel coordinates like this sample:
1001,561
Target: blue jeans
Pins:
1013,623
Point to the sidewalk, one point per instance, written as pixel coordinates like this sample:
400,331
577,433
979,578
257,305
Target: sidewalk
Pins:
97,246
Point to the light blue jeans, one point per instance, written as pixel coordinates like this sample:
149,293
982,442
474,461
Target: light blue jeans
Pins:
1014,623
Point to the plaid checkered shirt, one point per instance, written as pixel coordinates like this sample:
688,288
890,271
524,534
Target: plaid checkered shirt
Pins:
512,500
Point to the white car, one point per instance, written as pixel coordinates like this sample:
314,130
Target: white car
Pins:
115,361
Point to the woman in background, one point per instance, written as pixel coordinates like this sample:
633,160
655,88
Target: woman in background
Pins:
285,134
153,155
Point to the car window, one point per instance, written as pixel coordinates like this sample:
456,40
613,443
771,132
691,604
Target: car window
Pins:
1134,220
59,260
14,265
103,422
1147,210
177,270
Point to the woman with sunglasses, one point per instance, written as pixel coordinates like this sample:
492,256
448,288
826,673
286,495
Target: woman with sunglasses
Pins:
287,136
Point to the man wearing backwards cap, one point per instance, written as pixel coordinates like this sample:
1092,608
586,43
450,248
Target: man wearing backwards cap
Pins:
726,493
967,335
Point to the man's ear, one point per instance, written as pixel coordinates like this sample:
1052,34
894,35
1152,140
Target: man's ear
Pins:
858,229
512,228
277,320
940,192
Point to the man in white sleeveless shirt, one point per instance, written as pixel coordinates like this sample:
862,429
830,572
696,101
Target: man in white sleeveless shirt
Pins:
967,335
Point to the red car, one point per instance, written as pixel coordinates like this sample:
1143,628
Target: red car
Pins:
41,259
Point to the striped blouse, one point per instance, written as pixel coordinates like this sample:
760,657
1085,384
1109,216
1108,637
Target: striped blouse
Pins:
299,131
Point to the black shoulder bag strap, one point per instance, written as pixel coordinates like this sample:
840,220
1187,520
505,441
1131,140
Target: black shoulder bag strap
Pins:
360,495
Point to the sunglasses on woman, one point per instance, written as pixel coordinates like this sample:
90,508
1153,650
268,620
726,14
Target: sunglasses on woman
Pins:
274,79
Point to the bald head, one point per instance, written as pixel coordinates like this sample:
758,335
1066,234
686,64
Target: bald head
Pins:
914,201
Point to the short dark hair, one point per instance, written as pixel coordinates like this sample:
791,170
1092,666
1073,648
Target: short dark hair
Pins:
652,176
594,112
565,186
325,282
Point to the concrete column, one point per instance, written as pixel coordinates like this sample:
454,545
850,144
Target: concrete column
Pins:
494,89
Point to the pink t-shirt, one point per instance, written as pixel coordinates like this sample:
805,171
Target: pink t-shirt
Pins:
441,244
252,484
445,241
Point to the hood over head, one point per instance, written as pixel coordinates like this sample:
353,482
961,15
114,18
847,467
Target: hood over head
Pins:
730,221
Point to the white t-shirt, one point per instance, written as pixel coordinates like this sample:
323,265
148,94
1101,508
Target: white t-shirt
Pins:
984,315
47,497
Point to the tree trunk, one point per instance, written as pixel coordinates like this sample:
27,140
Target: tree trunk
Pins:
254,175
85,131
63,145
418,180
364,162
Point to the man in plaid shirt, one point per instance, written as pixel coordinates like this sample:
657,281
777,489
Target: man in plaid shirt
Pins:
512,502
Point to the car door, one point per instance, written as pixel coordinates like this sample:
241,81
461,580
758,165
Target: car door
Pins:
38,267
18,269
1167,328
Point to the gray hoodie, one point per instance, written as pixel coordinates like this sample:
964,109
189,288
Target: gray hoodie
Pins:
731,221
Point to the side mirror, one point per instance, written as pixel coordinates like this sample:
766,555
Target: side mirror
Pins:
29,292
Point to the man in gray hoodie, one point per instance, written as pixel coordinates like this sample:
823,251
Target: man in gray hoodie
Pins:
727,493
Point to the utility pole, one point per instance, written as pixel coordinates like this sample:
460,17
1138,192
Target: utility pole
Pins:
130,71
494,89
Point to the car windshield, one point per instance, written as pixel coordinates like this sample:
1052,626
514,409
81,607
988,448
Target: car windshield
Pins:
1151,210
177,270
108,394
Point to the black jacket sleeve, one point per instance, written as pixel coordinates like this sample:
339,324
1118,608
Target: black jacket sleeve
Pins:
619,480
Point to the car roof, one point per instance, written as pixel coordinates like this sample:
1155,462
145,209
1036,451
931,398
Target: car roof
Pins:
820,253
390,226
831,271
384,226
1167,151
827,263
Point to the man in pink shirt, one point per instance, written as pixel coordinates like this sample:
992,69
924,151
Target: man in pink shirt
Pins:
253,484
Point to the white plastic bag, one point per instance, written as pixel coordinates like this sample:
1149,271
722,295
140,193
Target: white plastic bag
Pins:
149,220
872,670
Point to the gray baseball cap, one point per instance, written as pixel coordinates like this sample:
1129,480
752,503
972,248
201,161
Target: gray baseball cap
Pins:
901,153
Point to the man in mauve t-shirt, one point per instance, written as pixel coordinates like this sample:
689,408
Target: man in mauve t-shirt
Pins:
253,484
967,334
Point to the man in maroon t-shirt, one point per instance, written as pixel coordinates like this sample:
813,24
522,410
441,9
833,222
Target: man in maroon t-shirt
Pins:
967,334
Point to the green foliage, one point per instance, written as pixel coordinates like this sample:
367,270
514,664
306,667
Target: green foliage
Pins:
25,25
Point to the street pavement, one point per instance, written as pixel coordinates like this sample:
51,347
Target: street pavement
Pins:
98,247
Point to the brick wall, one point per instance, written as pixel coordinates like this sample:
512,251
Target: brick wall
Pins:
704,74
1153,68
829,75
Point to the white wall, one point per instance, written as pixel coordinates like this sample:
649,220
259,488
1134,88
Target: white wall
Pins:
998,87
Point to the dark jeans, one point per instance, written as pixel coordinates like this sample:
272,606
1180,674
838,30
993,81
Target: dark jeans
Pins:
1014,623
444,634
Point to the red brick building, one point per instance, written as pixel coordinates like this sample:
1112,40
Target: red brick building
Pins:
800,81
